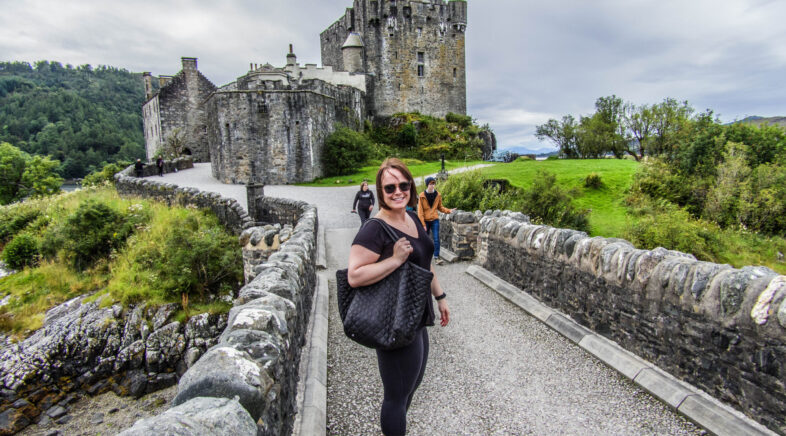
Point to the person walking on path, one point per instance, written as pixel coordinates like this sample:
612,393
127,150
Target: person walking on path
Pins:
371,258
138,167
160,166
429,202
364,202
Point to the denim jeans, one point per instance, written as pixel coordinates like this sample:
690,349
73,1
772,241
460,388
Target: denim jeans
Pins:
433,227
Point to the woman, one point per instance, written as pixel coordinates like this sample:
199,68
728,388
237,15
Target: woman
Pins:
429,203
364,202
371,258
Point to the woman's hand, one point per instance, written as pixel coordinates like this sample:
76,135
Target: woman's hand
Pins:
444,312
402,250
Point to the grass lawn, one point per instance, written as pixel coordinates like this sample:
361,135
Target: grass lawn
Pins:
418,169
608,212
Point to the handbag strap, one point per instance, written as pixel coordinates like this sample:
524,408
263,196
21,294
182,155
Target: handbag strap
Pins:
387,228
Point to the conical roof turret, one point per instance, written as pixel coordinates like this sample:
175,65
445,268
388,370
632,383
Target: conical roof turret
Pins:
353,40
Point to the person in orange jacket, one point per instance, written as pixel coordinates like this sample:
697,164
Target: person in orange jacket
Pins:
429,202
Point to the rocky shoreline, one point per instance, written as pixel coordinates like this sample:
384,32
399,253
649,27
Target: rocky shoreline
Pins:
102,414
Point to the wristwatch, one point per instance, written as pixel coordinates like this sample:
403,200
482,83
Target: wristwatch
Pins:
444,294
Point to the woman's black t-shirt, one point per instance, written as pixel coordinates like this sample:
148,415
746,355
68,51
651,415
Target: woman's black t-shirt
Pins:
373,237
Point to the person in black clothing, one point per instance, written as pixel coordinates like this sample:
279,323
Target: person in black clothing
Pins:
160,166
364,202
372,257
138,167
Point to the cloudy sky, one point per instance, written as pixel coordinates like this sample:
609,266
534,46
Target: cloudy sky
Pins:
527,60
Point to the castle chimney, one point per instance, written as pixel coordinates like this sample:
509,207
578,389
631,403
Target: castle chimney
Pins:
148,78
163,80
291,58
189,63
352,52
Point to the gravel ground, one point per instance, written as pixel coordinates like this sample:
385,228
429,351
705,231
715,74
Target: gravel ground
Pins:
104,414
494,370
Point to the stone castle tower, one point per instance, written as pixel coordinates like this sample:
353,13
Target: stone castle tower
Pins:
177,106
411,50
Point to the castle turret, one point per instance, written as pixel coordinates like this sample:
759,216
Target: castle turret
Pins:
148,78
352,52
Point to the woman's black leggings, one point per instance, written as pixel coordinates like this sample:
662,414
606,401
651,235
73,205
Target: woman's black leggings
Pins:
363,212
401,371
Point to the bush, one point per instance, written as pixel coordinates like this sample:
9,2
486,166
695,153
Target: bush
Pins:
345,152
461,120
197,258
106,175
14,219
545,201
470,191
552,158
666,225
89,234
593,181
22,251
763,202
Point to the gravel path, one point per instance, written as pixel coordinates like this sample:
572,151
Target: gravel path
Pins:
494,370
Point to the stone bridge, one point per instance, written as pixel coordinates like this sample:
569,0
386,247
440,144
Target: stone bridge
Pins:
551,332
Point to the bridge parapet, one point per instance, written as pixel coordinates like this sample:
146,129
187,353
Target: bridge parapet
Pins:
255,363
719,328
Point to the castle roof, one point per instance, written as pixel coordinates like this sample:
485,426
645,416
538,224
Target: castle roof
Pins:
353,40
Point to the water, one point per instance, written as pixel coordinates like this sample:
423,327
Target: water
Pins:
70,186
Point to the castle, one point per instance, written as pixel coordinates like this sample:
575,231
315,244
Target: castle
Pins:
382,57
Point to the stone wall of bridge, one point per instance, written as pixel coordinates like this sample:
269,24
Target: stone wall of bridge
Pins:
719,328
254,363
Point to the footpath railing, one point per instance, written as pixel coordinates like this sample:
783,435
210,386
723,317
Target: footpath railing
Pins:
719,328
246,384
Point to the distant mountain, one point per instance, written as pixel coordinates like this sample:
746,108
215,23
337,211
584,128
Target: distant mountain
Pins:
776,121
524,150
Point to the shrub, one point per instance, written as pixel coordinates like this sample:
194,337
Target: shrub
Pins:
106,175
90,233
14,219
470,191
763,202
461,120
545,201
666,225
345,151
552,158
197,257
593,181
22,251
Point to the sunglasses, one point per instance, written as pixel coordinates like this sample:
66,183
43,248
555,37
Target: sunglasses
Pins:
403,186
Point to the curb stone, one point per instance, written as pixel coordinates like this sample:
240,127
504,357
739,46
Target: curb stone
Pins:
688,400
447,255
321,250
311,416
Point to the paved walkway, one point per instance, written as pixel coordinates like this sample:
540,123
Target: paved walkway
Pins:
493,370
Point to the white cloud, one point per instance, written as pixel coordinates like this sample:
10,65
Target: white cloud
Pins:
527,61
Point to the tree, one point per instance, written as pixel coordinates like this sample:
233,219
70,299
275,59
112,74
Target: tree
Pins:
174,145
562,134
22,175
640,122
345,151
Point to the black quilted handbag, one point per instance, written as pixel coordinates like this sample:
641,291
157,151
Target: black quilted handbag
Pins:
386,314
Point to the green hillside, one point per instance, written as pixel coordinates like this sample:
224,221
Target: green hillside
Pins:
82,116
608,211
765,121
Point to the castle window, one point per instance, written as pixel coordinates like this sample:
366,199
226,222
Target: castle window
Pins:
421,64
421,57
421,71
420,32
395,54
454,73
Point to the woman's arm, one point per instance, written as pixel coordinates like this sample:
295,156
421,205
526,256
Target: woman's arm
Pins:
364,269
355,203
442,305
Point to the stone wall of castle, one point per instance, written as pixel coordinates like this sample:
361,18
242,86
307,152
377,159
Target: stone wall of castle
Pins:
719,328
178,105
415,50
277,130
